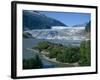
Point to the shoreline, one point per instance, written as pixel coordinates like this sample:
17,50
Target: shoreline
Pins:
54,59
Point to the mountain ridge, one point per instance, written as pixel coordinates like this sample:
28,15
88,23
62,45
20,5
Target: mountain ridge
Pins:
36,20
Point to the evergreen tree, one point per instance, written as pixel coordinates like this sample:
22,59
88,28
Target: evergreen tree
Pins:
38,62
85,54
32,63
88,27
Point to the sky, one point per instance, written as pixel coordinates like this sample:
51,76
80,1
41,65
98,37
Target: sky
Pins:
69,18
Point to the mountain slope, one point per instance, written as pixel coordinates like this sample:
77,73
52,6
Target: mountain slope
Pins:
36,20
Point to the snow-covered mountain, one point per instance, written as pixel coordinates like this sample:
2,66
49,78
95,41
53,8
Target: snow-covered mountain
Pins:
70,33
79,25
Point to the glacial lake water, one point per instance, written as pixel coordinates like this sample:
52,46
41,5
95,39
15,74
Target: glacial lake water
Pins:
29,43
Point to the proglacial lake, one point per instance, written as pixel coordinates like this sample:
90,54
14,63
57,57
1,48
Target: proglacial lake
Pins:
30,42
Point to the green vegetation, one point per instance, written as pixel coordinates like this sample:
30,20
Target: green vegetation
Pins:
32,63
42,45
54,52
85,56
61,53
67,54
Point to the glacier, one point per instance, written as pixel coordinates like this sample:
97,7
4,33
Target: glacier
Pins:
62,33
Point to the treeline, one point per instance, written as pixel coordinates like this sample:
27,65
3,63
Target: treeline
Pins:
85,53
62,53
67,54
32,63
88,27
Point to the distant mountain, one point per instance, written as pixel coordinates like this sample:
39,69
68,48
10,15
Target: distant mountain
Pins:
80,25
87,26
36,20
39,26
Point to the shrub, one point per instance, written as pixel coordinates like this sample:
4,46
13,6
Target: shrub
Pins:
32,63
69,55
54,50
85,54
42,45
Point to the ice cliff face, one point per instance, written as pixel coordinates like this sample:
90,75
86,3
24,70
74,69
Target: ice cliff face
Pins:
70,33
